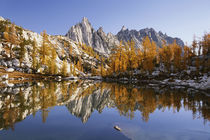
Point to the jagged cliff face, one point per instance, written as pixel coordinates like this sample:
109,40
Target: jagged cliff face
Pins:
138,36
84,33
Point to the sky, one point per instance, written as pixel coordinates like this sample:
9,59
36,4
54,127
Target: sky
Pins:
177,18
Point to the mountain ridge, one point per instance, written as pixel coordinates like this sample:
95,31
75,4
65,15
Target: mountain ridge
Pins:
83,32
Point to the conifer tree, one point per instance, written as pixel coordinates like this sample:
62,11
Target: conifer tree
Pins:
186,57
194,46
102,66
206,52
44,51
34,54
132,55
197,64
6,33
166,56
54,68
74,71
64,68
10,35
149,54
70,50
22,52
71,69
177,51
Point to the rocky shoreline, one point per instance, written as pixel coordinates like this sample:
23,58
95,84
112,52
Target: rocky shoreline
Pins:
201,84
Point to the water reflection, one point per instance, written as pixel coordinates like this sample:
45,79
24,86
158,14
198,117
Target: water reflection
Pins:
128,100
82,98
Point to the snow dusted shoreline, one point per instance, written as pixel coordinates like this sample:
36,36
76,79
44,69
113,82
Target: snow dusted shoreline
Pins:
200,84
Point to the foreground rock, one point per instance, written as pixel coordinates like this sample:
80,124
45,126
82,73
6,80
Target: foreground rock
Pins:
10,70
117,128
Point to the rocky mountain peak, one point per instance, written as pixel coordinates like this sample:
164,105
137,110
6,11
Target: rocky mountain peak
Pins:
138,36
85,22
100,29
81,32
101,32
84,33
123,28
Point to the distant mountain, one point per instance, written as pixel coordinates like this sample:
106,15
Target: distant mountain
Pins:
137,36
84,33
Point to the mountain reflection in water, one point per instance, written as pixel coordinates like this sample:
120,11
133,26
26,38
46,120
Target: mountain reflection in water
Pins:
82,98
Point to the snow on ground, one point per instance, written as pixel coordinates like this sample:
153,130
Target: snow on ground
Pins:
203,83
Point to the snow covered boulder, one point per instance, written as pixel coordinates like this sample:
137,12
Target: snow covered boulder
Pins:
15,62
155,73
10,70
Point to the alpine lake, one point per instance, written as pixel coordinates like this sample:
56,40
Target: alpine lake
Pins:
89,110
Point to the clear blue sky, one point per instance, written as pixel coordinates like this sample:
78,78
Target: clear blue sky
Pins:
181,18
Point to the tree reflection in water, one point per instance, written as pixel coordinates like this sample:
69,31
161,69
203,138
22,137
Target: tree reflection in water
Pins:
83,97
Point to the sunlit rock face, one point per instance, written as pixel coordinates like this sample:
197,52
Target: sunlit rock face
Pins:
137,36
84,33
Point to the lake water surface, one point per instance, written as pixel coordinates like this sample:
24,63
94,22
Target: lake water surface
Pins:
85,110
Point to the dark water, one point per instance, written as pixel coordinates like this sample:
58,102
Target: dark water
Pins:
88,111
